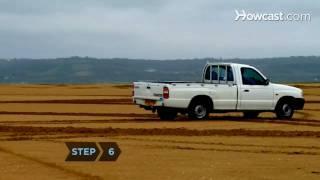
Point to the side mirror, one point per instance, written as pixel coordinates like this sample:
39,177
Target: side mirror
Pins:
267,82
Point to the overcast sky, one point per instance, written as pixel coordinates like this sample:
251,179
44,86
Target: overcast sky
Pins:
154,29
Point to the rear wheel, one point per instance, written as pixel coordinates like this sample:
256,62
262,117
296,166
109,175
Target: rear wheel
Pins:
198,110
167,114
284,110
250,115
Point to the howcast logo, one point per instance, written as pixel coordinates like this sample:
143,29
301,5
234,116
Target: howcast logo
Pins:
243,15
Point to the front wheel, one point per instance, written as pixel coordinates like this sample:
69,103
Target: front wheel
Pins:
198,110
284,110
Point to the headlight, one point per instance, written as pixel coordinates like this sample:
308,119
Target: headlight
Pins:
301,93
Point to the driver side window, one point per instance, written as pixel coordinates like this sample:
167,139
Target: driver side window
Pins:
251,77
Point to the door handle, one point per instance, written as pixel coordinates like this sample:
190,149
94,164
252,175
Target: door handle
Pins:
246,90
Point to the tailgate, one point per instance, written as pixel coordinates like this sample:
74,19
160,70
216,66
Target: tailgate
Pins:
146,90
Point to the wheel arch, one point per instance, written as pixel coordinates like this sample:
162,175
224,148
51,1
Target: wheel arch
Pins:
290,99
203,98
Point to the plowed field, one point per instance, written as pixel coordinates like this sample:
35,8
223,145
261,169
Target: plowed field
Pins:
37,120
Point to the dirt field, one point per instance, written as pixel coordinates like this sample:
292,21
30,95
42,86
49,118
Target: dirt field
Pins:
37,120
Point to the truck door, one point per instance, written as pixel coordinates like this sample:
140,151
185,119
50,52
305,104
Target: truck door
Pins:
223,89
254,93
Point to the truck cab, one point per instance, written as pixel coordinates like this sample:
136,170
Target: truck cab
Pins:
225,87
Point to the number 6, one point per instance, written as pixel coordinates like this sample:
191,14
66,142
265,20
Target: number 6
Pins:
111,151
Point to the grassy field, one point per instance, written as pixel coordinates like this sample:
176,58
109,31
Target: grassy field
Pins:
37,120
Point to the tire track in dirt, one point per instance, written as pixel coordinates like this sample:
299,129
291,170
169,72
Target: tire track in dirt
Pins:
296,122
74,101
78,174
216,143
120,121
30,130
231,150
74,114
53,138
154,118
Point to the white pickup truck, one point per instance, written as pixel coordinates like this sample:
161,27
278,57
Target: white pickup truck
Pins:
225,87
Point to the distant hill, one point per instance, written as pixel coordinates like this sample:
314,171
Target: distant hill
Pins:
93,70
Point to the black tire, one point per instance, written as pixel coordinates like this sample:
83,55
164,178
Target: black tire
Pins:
284,110
250,115
198,110
167,114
